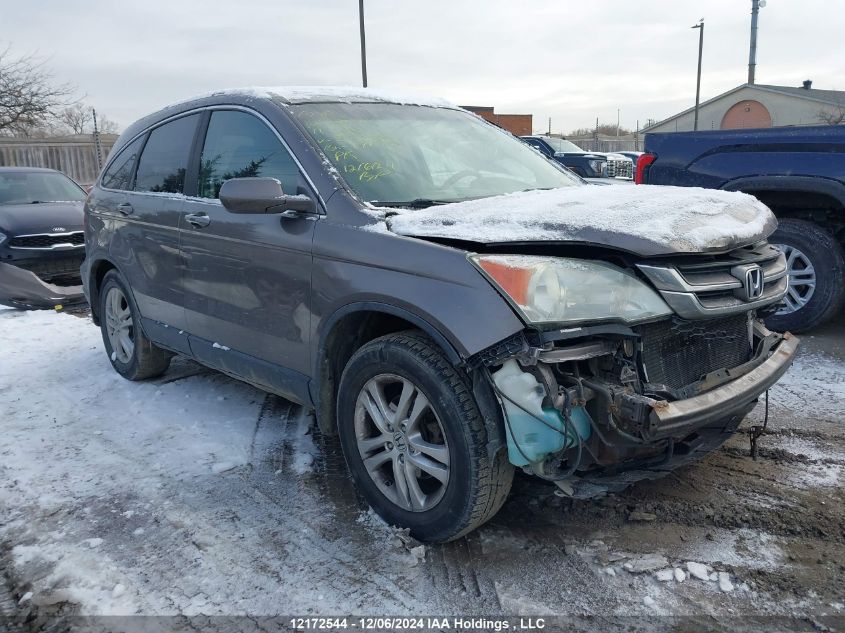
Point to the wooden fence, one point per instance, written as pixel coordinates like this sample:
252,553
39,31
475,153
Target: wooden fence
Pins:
75,156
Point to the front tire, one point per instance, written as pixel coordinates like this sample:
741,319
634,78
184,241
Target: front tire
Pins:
414,439
132,354
816,276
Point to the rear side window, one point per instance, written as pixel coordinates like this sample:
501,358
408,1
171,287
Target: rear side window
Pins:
238,145
119,173
164,160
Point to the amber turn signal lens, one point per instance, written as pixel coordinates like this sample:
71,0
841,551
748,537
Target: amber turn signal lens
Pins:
512,279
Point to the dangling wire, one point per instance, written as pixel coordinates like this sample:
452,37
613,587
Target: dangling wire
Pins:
758,430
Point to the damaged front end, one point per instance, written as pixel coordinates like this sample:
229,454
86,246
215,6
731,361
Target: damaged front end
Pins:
41,283
597,407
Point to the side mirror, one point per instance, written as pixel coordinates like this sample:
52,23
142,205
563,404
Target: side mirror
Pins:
262,195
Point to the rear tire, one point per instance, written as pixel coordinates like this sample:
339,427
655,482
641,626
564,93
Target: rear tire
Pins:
132,354
814,257
408,377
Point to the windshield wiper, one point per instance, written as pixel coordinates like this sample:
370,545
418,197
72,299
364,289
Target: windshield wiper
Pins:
417,203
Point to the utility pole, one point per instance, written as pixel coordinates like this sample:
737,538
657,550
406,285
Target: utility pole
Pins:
550,126
363,42
617,122
756,5
97,146
700,27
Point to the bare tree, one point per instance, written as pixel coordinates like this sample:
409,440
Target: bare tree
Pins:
832,117
607,129
106,125
29,98
77,118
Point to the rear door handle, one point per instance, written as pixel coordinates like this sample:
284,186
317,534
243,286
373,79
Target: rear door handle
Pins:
125,208
198,220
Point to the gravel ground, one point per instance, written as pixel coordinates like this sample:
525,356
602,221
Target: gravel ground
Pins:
196,494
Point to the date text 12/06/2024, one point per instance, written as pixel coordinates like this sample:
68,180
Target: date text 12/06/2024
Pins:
432,623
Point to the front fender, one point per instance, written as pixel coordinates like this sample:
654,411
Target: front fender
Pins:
809,184
329,323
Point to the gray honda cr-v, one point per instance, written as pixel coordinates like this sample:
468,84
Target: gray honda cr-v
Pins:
450,302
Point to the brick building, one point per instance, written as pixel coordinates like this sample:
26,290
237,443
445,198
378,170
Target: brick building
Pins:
516,124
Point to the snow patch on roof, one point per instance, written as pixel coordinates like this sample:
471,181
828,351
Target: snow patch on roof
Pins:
659,219
339,94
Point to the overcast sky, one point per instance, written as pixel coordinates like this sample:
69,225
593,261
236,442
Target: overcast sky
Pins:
566,59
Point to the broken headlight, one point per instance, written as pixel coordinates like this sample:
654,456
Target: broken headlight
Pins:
558,290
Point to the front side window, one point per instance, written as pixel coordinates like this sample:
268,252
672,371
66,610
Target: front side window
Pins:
164,160
393,154
238,145
119,173
32,187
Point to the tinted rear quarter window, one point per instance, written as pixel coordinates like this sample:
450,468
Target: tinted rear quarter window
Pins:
120,172
239,145
164,160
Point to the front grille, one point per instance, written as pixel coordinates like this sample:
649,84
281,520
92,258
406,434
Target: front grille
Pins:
62,271
678,353
700,287
46,241
620,169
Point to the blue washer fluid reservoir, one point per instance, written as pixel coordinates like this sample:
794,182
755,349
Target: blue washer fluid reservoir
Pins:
529,440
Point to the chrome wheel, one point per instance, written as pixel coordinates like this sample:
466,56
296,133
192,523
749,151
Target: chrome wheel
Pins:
802,280
119,326
401,442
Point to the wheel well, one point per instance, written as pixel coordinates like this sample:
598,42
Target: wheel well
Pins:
346,336
819,208
98,272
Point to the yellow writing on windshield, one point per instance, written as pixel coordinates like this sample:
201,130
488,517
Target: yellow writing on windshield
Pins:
349,161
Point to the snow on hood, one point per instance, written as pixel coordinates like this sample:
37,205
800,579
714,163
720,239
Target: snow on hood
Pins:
647,220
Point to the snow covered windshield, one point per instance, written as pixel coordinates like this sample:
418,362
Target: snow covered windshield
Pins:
401,155
29,187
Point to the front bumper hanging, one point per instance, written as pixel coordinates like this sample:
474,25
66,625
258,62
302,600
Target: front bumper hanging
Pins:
673,419
22,288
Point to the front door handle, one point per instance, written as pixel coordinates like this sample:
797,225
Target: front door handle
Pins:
125,208
198,220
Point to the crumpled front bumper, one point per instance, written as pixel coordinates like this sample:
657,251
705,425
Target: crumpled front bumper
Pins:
22,288
674,419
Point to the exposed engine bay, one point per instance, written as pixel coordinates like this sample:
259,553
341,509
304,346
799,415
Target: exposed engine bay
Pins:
596,408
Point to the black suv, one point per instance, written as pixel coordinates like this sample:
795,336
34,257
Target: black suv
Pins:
41,238
451,303
585,164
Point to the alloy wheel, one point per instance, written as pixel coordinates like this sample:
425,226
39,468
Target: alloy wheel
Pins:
119,325
401,442
802,280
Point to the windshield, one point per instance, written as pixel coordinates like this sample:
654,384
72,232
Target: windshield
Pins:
392,154
562,145
31,187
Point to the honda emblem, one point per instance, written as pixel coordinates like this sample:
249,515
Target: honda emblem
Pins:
753,281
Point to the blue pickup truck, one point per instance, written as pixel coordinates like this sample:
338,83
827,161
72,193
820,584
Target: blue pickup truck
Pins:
799,172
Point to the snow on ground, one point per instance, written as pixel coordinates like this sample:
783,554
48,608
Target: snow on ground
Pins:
106,482
197,494
814,375
669,219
